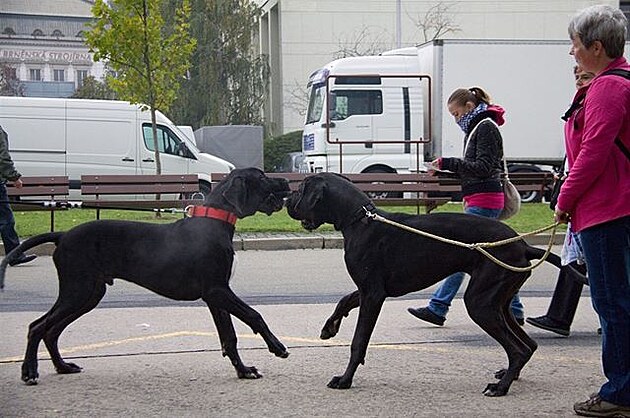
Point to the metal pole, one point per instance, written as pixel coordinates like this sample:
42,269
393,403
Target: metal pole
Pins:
398,24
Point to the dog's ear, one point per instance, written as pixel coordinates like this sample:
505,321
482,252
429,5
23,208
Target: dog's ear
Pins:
313,192
235,194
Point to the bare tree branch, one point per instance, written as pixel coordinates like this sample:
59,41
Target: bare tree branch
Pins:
436,22
297,99
365,41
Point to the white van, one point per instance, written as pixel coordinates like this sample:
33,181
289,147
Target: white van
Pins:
74,137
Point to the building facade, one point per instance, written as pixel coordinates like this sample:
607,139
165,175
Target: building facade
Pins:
300,36
42,45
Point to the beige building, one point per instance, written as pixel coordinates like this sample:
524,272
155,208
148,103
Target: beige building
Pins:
41,43
301,36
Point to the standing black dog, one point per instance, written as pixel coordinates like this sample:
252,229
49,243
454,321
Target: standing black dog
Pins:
386,261
186,260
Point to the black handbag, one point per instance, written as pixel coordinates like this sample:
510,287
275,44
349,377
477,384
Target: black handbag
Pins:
555,191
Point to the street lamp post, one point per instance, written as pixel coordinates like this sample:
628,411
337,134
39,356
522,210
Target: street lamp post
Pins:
398,24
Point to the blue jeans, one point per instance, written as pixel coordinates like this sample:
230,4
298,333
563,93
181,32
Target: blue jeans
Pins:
7,222
607,254
444,295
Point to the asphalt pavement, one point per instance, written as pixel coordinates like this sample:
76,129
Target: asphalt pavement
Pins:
166,360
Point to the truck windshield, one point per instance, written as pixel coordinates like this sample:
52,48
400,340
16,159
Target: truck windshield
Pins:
315,103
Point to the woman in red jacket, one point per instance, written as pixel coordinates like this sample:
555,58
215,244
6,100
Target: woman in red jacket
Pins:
596,195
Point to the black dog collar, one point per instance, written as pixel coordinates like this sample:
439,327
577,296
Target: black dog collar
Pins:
358,215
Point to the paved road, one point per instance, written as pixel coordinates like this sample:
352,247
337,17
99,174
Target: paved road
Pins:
261,277
143,358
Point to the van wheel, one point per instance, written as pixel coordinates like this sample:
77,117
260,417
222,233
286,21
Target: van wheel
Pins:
382,195
204,191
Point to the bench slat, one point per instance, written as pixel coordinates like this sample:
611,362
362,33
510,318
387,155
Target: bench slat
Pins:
39,190
139,179
144,188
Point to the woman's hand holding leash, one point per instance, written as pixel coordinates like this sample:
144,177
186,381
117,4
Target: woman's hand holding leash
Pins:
561,216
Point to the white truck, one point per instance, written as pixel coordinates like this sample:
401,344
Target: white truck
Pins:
73,137
387,113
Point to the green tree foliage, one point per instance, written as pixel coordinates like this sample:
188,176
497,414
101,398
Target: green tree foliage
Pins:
148,58
228,80
277,147
10,84
94,89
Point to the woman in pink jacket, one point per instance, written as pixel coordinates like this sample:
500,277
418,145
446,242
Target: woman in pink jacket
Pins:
596,194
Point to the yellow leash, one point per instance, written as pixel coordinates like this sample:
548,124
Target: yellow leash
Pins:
479,246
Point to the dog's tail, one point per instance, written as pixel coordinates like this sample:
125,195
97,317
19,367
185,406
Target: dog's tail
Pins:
534,253
26,245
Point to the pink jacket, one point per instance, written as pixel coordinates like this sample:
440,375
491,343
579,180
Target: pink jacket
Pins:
597,189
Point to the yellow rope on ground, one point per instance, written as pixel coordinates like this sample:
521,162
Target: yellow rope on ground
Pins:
480,246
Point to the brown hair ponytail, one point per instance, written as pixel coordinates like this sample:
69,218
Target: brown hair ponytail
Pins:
475,95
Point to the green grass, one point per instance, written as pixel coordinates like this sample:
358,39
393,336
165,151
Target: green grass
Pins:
532,216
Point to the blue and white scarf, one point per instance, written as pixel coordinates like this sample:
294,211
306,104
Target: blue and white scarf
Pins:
464,121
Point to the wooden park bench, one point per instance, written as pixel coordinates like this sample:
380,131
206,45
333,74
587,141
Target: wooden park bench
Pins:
52,189
139,191
390,189
416,189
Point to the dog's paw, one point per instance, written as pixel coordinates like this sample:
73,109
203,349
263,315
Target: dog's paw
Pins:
500,373
248,373
338,382
493,390
29,381
331,328
279,350
284,354
29,374
68,368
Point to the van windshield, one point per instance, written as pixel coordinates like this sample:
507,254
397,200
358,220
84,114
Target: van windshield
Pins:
315,103
167,141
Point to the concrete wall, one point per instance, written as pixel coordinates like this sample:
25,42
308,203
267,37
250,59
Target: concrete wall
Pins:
303,35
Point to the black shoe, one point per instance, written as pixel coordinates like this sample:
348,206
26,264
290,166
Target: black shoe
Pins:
426,315
23,259
548,325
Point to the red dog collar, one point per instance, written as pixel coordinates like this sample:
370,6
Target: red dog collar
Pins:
208,212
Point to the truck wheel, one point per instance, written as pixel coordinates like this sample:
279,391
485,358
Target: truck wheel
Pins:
382,195
531,196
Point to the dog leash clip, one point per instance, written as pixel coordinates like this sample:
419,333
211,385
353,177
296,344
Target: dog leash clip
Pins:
368,213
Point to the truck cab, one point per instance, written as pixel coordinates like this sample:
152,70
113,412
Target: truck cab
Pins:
362,121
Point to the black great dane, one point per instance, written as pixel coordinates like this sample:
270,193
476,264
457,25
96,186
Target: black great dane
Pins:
186,260
386,261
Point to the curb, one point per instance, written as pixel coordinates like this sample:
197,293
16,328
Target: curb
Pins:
282,242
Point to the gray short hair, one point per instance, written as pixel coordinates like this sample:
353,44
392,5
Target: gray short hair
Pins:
602,23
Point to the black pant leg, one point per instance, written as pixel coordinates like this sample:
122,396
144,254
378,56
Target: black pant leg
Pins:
566,296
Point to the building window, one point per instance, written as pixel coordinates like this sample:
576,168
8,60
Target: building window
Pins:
59,75
35,74
57,33
37,32
81,76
